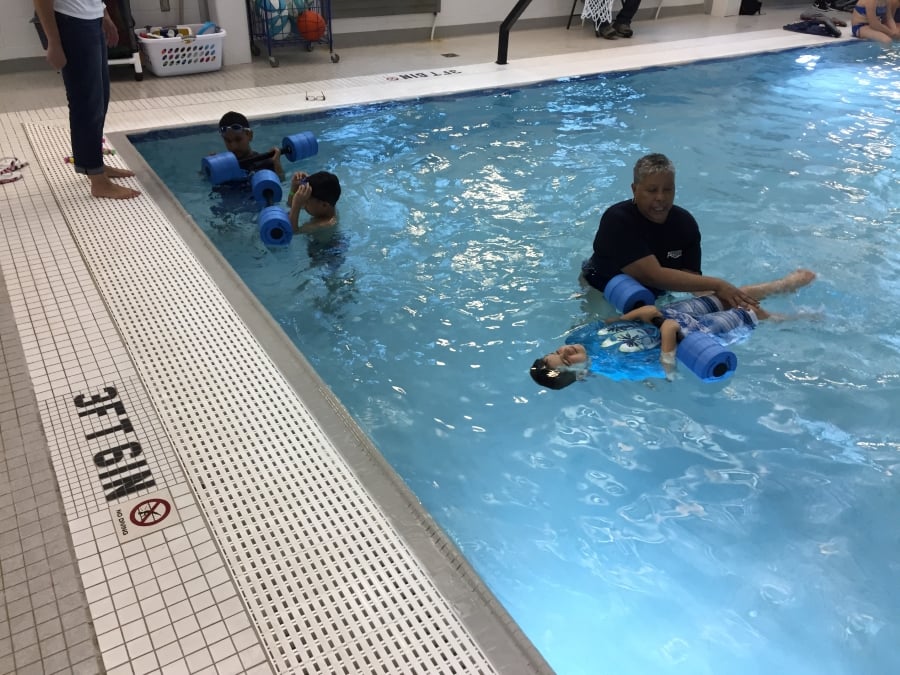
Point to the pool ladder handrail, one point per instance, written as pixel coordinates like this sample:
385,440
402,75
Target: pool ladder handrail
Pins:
512,17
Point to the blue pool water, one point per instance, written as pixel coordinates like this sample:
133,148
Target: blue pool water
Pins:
629,527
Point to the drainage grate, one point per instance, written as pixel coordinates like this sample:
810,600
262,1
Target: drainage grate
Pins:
330,585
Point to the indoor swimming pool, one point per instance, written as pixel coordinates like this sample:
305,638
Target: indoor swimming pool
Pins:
628,527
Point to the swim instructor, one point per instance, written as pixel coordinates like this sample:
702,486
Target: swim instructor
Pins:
654,241
78,34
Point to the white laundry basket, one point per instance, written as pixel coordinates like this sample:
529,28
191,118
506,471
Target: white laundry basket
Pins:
183,55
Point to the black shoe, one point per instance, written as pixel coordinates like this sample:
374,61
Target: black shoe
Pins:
623,29
605,30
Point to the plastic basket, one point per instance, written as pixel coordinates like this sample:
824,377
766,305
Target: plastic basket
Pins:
182,55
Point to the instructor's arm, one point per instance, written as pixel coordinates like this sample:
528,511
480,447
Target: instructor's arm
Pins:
649,272
56,57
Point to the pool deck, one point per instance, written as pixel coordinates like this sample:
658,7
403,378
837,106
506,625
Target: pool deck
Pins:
180,493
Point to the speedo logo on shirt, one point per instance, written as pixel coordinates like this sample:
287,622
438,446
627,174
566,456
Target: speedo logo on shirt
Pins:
673,254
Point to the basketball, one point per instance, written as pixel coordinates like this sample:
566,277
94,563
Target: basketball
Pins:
311,25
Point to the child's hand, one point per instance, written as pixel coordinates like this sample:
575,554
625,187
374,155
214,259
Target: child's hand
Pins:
276,152
302,194
301,191
646,314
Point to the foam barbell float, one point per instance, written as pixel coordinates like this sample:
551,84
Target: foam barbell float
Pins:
224,167
705,357
274,223
626,294
698,352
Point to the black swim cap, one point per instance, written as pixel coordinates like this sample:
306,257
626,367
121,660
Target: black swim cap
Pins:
325,186
232,117
549,377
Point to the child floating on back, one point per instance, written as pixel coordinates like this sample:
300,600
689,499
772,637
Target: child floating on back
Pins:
596,348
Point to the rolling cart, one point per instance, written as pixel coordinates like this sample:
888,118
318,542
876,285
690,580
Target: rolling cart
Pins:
282,23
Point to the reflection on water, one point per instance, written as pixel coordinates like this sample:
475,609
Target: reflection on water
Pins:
629,527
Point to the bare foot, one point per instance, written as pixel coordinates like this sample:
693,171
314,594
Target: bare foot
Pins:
103,188
796,279
113,172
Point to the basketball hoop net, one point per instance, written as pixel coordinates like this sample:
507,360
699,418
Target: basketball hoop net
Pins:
598,11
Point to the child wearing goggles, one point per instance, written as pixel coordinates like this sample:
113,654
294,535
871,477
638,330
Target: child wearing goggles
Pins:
237,135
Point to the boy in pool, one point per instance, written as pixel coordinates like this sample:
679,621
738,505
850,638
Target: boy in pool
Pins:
574,360
237,135
317,194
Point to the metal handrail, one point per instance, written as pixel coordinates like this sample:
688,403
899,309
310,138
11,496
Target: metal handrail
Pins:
503,45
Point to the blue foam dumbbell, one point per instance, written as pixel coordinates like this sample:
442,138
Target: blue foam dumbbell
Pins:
274,223
299,146
224,167
705,357
626,294
275,226
266,187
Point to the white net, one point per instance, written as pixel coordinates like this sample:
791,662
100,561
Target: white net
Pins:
598,11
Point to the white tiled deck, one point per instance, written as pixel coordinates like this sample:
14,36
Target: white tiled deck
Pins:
216,512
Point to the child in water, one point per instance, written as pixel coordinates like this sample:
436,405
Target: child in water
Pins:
317,194
593,348
237,135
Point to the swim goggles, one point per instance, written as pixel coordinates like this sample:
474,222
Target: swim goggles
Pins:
233,127
9,170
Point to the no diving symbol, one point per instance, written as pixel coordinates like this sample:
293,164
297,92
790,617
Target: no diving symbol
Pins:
144,515
150,512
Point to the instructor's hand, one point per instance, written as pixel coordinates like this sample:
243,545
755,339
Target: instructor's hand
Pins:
732,296
56,57
110,31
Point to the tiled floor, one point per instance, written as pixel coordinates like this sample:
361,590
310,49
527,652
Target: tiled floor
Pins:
157,514
46,625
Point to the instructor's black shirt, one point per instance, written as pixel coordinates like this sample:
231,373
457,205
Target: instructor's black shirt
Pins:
625,235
